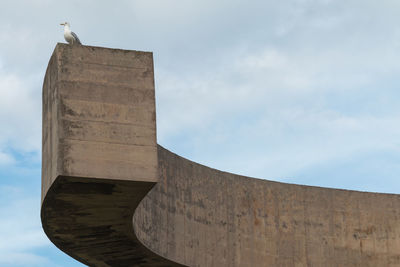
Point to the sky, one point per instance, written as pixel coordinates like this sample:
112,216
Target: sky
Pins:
296,91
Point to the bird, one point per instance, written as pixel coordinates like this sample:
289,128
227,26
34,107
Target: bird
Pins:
70,36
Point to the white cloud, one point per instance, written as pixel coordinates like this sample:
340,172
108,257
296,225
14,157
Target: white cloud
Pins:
20,114
285,110
6,159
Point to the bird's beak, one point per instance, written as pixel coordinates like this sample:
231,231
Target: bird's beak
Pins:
62,24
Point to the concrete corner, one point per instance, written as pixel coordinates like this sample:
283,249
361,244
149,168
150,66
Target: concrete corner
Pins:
99,115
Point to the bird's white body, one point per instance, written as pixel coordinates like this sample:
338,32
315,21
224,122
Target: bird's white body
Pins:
69,36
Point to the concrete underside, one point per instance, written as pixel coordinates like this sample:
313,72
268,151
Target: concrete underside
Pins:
112,197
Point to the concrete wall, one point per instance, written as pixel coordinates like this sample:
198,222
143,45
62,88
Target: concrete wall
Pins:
113,197
200,216
99,115
99,153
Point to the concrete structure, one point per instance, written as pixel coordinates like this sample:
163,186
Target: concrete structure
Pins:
112,197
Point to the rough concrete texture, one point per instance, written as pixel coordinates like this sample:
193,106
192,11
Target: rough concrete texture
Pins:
99,115
102,167
200,216
99,153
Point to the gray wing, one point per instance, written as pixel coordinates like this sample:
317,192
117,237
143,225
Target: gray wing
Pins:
76,38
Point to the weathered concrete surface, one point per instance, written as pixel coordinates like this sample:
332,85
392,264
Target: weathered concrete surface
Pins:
99,115
204,217
99,153
102,166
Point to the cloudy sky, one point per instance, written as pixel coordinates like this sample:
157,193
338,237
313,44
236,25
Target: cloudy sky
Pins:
298,91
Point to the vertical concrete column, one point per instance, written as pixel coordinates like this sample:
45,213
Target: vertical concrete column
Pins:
99,115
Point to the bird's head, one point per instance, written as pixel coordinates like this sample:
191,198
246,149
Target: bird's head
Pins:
65,24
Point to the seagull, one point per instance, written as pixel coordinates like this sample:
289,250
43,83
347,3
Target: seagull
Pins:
70,36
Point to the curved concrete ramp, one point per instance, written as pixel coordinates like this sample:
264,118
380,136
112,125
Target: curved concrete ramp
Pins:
112,197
